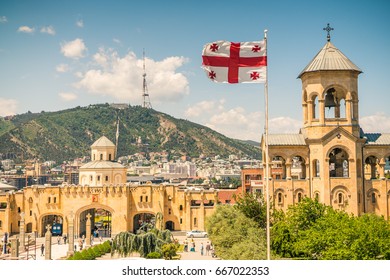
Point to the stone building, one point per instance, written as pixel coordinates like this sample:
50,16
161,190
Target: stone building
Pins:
104,198
331,158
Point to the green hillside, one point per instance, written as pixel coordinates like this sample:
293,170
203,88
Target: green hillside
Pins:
67,134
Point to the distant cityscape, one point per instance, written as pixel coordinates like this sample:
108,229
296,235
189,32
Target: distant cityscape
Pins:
153,167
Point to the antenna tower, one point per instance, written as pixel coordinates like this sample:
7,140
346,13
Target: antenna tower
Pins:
145,94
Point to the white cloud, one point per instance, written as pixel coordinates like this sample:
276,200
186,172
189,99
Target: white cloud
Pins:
26,29
3,19
48,29
67,96
80,23
62,68
74,49
379,122
284,125
121,77
117,41
203,107
8,106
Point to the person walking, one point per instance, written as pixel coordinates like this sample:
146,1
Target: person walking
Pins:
42,249
208,248
201,249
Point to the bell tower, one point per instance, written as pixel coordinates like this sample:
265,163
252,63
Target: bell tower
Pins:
330,93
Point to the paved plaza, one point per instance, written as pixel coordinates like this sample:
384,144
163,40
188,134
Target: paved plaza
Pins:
59,249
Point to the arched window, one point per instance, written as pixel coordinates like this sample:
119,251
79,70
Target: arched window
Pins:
373,198
316,168
371,167
338,163
315,108
299,197
341,112
280,198
317,196
298,168
101,156
340,198
109,157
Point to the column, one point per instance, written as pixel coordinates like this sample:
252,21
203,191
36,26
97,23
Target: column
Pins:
48,243
22,233
288,170
321,104
70,233
14,248
88,231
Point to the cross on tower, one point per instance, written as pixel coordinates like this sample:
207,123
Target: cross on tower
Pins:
328,29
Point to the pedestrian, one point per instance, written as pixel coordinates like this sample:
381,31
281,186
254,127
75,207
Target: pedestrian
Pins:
65,238
201,249
42,249
208,248
58,240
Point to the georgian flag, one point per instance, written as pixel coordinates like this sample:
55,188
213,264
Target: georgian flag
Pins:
228,62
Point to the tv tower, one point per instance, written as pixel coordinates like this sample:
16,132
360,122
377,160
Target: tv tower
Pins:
145,94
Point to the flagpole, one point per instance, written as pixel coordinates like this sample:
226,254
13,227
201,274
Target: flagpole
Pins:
266,154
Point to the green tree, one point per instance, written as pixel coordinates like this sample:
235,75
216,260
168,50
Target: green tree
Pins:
234,235
252,205
311,230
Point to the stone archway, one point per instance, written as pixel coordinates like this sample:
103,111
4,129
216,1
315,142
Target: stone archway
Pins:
55,221
143,221
100,217
170,225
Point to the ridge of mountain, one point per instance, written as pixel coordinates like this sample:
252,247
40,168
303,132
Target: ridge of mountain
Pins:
68,134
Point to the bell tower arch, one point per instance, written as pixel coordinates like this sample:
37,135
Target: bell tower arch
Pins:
330,93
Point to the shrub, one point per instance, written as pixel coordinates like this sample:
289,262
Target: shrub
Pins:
154,255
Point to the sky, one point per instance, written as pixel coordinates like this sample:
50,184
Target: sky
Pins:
56,55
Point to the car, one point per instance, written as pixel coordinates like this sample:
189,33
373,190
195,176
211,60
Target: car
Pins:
196,233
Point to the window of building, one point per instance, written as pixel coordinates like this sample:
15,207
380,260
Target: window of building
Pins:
317,196
181,207
101,156
373,198
195,221
146,198
140,198
340,198
169,211
106,178
299,197
338,163
98,178
280,198
30,212
55,199
19,210
181,220
109,157
49,199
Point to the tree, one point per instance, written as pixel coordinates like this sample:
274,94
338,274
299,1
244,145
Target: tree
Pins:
312,230
234,235
126,242
252,205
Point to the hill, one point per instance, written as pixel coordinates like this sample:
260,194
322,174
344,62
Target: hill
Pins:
68,134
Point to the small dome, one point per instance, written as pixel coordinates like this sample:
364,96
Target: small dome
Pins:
330,58
103,142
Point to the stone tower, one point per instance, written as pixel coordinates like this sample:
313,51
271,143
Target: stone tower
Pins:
331,127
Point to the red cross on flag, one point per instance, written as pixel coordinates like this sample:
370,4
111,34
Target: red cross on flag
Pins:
228,62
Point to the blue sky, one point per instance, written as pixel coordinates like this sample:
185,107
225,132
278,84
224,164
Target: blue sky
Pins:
62,54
